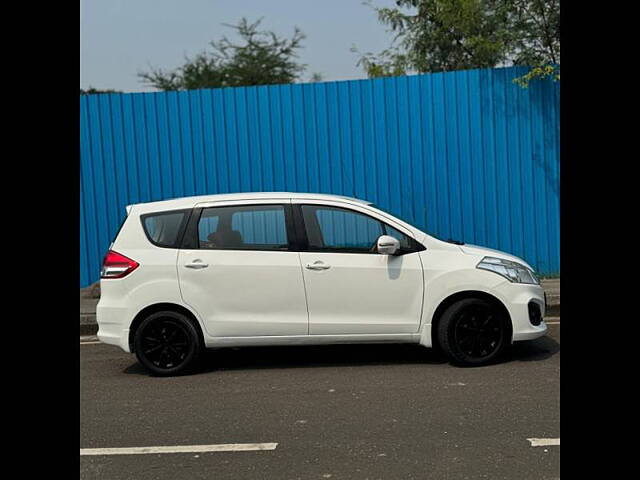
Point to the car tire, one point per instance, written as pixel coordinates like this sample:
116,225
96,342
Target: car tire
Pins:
167,343
474,332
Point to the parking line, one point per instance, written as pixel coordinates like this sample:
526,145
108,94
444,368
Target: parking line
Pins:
90,343
223,447
544,442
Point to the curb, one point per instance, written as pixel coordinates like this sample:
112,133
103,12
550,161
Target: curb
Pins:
89,329
88,324
553,310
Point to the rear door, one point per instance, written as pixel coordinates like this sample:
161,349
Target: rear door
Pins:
352,289
238,271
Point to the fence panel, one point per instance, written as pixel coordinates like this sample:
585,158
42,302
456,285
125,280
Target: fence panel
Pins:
467,155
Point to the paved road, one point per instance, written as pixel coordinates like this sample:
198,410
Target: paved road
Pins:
339,412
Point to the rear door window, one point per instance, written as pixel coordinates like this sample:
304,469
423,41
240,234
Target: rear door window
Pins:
246,227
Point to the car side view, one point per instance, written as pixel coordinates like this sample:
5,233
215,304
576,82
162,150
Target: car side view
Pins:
249,269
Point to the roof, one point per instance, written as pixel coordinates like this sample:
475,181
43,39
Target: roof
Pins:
188,202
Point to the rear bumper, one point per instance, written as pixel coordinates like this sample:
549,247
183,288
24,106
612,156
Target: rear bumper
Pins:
111,329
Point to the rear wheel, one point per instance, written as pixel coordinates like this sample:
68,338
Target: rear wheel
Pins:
167,343
474,332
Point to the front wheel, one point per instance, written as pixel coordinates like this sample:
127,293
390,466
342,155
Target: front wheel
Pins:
167,343
474,332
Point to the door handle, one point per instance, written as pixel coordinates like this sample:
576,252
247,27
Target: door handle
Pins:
317,266
196,265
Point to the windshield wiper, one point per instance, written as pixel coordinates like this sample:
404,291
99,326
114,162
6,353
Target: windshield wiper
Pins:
455,242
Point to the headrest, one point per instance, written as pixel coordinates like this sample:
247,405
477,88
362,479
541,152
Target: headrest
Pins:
226,239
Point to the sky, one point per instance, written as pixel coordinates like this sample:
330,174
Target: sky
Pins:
119,38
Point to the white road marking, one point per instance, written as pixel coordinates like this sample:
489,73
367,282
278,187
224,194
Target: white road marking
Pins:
544,442
223,447
90,343
552,323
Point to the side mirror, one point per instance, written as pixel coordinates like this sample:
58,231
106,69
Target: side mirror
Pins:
388,245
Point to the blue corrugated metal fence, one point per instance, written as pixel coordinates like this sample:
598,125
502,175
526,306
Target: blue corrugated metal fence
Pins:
466,155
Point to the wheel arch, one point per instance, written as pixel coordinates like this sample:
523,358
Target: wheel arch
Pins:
455,297
158,307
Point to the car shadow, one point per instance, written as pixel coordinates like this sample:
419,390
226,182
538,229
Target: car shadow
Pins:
534,350
254,358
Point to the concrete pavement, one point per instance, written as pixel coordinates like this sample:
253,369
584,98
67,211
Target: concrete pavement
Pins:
338,412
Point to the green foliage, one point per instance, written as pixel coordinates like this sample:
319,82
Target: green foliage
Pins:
444,35
316,77
92,90
261,58
546,71
535,39
388,63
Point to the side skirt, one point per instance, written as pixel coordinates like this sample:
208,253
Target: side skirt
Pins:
212,342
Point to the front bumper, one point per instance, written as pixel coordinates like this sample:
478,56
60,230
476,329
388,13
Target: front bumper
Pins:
516,298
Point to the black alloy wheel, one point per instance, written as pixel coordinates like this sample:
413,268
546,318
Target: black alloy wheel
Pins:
478,331
474,332
167,343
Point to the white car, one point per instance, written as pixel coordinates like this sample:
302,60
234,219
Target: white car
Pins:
291,269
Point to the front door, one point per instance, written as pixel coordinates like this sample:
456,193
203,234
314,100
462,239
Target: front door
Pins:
351,289
240,276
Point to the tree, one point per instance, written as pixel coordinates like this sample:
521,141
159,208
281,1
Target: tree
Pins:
92,90
261,58
535,39
444,35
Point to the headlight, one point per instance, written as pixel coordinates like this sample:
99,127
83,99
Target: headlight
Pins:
512,271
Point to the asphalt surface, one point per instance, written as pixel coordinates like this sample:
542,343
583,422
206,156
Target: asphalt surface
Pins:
339,412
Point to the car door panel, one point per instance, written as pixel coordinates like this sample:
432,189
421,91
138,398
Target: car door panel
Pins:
351,289
363,294
240,275
245,293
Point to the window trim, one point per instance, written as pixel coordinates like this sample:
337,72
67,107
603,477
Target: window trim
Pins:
181,228
191,238
301,229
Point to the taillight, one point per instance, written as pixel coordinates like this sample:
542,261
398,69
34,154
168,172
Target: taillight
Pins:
116,265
